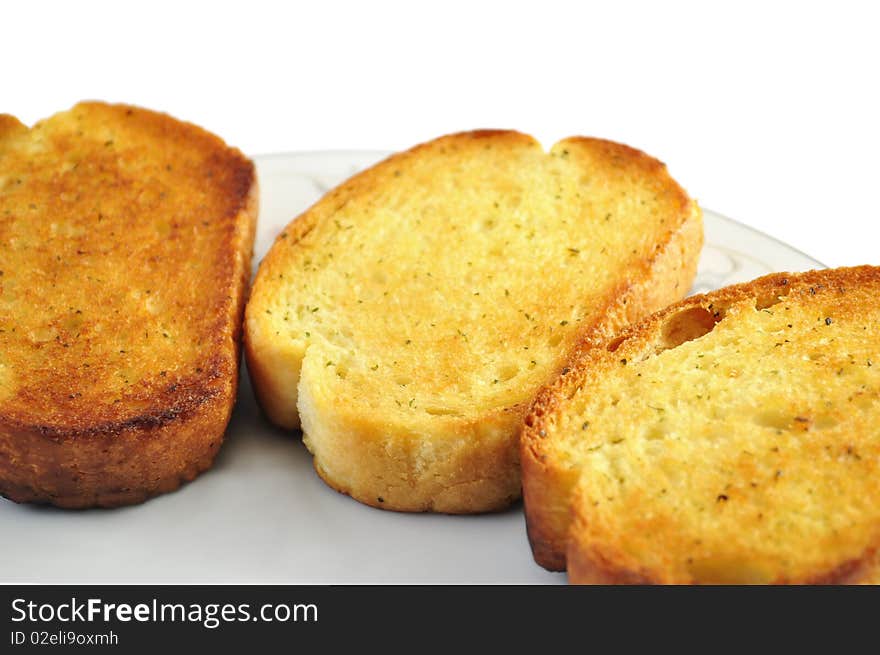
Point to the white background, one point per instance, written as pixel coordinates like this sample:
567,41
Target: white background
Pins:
766,112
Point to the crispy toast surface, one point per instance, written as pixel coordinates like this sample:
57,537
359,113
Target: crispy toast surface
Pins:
125,242
406,320
730,438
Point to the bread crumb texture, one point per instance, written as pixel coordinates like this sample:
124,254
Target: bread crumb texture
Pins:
409,316
730,439
98,276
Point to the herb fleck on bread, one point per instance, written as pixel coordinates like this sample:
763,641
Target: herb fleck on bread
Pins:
731,438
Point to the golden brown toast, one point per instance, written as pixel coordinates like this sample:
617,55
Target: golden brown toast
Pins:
407,319
730,438
125,242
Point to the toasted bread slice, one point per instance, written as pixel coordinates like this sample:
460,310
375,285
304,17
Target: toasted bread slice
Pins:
407,319
125,241
731,437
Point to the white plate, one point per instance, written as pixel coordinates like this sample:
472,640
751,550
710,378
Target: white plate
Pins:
262,515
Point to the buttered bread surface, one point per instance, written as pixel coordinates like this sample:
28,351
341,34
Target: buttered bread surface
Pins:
407,318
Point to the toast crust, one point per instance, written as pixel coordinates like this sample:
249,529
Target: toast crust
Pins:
557,527
462,464
164,229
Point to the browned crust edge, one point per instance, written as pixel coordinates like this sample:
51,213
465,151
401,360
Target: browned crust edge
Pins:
127,462
588,567
550,515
